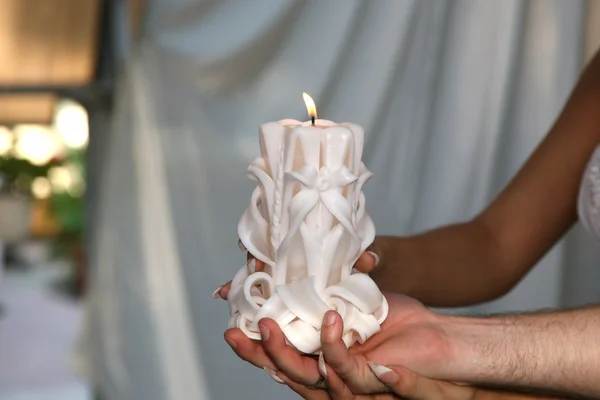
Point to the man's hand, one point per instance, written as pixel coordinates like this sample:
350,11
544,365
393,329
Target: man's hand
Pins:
409,325
349,372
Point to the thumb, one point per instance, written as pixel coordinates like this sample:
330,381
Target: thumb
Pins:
406,384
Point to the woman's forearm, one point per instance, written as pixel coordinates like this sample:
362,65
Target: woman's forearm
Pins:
453,266
557,351
481,260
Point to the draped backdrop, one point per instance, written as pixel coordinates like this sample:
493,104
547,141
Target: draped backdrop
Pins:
453,95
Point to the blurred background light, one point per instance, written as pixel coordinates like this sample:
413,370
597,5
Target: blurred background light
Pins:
6,140
41,188
37,143
71,122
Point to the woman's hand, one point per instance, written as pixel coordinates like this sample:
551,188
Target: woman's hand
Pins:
409,386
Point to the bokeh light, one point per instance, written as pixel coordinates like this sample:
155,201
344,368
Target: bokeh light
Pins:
37,143
71,122
60,178
6,140
41,188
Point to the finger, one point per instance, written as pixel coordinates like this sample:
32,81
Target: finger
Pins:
334,350
304,391
273,375
247,349
221,291
367,262
336,387
406,384
337,356
253,264
299,368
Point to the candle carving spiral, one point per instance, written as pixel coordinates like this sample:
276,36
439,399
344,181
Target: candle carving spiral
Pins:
307,222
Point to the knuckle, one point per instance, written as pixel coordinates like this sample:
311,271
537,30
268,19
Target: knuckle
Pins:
408,386
343,368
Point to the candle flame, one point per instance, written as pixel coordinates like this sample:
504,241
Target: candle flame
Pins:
310,105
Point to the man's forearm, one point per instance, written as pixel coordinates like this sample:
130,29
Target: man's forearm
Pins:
453,266
557,351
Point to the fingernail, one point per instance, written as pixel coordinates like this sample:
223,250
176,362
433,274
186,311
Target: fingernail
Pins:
384,374
241,246
329,318
273,375
251,264
216,294
264,332
322,367
232,343
375,256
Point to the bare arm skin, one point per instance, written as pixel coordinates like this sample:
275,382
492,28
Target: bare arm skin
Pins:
556,351
485,257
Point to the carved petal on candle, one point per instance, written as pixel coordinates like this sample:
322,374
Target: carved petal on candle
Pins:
328,193
382,312
300,206
258,171
363,176
251,230
359,138
303,336
323,179
366,226
359,290
244,325
253,225
275,309
327,251
364,326
303,301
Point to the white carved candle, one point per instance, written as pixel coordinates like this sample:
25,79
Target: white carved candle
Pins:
307,222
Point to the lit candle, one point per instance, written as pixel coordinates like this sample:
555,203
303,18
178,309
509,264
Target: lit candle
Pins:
307,222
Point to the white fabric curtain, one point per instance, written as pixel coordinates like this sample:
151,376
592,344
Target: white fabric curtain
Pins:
453,95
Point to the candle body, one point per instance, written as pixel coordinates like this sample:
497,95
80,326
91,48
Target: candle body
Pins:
308,223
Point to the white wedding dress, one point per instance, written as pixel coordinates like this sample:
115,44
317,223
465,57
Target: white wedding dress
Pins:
589,196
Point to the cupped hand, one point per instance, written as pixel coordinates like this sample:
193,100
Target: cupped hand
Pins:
349,375
411,337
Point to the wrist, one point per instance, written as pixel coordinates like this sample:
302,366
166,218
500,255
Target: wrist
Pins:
484,350
381,274
395,271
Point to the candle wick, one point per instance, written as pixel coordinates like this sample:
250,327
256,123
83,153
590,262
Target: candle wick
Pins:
313,120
